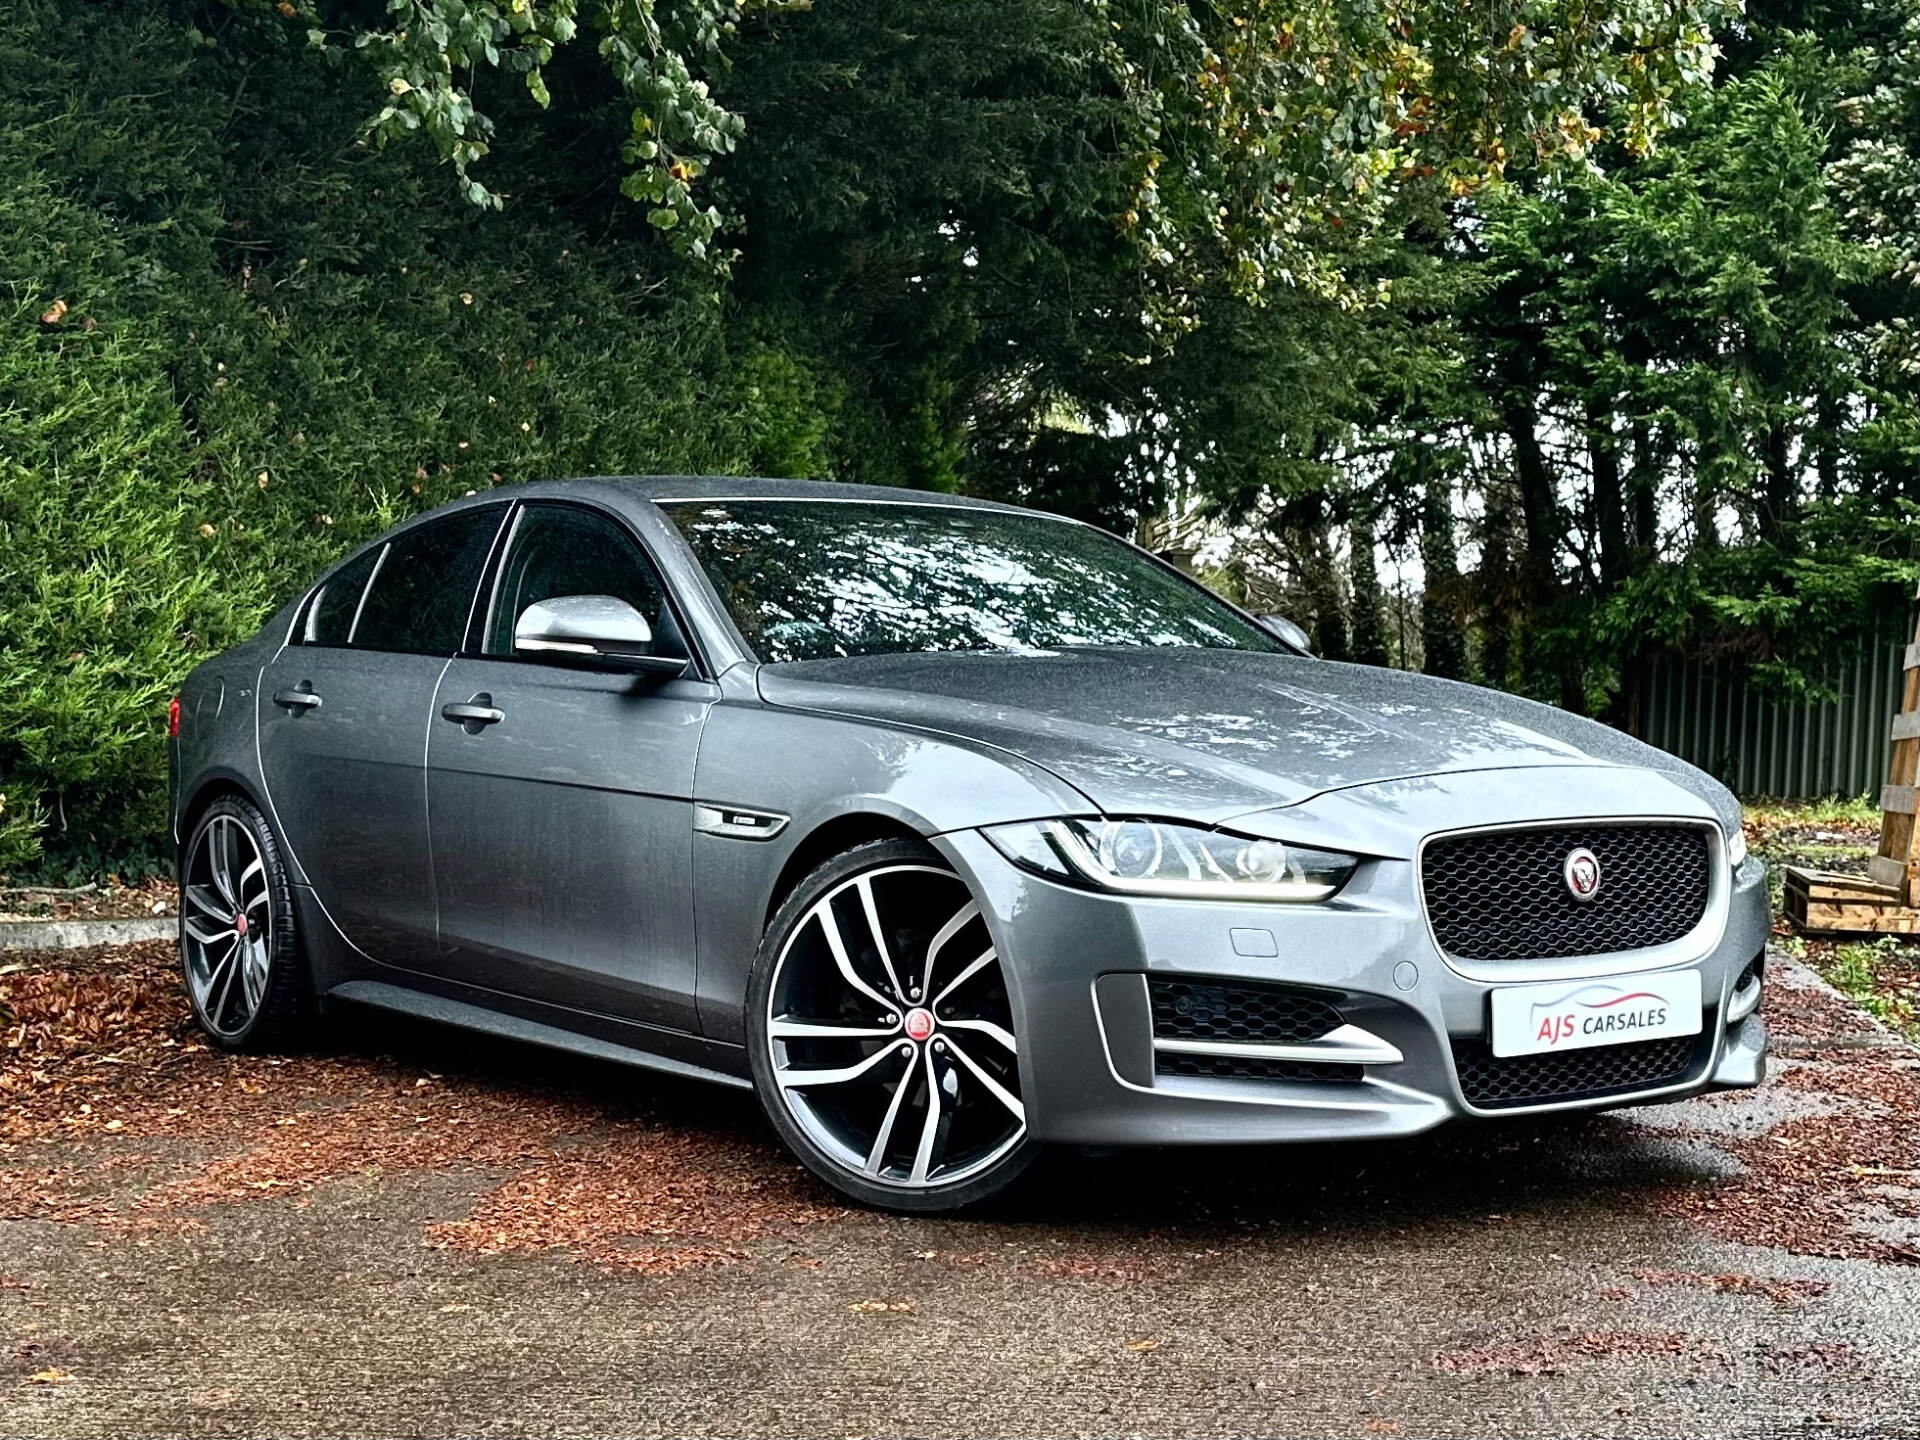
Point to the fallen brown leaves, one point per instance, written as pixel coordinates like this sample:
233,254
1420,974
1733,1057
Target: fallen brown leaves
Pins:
111,900
101,1049
1816,1185
1869,1076
1131,1269
1822,1355
1805,1185
1798,1015
1781,1292
684,1200
67,1025
1552,1354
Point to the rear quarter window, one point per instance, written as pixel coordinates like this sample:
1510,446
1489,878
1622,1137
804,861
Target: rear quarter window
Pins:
331,611
422,592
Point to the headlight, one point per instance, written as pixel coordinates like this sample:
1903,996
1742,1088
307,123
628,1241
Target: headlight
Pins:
1153,857
1736,848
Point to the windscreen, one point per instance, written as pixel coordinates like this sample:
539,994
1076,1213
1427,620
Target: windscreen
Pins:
812,579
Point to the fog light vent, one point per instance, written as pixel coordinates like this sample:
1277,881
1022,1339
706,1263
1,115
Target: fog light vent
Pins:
1243,1014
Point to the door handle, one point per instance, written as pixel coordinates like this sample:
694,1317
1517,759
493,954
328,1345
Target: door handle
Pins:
475,714
296,700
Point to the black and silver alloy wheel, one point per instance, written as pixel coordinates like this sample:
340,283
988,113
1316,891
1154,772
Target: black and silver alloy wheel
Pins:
884,1041
236,929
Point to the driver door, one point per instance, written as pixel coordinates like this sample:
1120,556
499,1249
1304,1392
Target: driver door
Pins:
563,830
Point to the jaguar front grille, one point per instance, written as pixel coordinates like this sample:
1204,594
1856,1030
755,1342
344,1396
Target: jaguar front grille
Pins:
1504,895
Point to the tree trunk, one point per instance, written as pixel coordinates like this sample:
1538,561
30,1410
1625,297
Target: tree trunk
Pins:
1495,587
1609,498
1777,495
1539,506
1369,633
1643,494
1441,638
1323,584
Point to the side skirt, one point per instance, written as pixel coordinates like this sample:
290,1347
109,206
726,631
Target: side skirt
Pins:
468,1016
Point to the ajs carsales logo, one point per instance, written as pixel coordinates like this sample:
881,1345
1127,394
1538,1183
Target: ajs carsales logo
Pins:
1597,1010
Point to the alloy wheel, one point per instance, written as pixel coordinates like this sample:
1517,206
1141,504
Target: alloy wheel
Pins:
891,1032
226,925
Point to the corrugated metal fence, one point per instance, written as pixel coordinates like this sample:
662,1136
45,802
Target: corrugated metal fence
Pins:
1714,716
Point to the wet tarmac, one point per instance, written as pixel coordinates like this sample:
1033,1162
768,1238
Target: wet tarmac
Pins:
420,1233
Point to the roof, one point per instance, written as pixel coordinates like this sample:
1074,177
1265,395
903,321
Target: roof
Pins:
665,488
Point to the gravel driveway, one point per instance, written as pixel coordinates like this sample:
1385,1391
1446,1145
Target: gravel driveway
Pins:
416,1232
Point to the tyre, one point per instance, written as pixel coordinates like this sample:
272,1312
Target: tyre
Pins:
239,948
882,1036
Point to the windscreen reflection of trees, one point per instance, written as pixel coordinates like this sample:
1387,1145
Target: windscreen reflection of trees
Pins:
806,581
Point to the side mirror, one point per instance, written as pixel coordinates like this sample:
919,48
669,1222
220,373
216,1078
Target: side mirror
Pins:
1291,633
599,632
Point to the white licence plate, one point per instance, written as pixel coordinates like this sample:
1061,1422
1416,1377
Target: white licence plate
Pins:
1576,1014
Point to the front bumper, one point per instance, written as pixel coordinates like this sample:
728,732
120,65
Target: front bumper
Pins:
1079,963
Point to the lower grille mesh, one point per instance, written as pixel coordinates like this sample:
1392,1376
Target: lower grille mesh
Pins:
1244,1014
1492,1083
1221,1012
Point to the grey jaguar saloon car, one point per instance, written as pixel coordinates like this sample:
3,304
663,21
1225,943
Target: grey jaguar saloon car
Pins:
953,830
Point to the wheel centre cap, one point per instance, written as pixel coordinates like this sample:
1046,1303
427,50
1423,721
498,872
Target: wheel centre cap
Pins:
919,1023
240,924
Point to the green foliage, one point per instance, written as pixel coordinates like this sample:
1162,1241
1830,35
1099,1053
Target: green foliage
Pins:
20,827
1877,975
1692,324
787,411
1268,282
100,582
1283,118
1241,130
102,586
220,364
430,55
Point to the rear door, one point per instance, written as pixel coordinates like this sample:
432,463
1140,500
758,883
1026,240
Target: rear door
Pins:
343,727
563,829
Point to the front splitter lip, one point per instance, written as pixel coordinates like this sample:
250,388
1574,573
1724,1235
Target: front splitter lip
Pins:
1377,1095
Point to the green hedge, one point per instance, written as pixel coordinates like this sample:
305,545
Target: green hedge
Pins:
236,342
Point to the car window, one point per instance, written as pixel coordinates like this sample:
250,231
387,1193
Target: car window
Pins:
331,611
810,579
571,550
422,592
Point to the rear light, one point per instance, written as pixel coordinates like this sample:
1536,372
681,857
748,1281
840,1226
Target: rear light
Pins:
173,718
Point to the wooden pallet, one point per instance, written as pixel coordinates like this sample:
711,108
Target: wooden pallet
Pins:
1897,866
1821,903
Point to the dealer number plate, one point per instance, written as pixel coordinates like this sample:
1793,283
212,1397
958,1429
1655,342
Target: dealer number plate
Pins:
1577,1014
